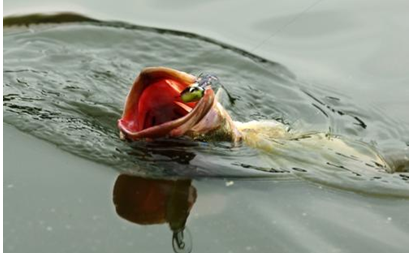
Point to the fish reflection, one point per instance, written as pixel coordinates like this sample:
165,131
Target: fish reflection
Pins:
146,201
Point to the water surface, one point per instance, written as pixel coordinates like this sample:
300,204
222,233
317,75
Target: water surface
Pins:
66,84
67,205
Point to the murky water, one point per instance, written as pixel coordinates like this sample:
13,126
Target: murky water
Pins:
66,84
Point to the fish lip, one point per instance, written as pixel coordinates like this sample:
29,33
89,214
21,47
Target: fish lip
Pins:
173,128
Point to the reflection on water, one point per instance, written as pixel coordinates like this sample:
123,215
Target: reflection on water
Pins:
147,201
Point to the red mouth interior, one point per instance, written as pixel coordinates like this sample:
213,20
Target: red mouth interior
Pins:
159,103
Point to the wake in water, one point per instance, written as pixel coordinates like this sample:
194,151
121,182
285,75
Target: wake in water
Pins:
66,84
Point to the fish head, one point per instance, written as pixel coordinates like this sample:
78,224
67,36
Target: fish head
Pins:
155,107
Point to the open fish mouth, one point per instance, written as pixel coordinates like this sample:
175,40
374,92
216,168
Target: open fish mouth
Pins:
153,107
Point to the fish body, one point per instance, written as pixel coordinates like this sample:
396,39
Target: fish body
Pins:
155,108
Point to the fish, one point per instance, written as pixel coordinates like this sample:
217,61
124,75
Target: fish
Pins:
154,108
157,107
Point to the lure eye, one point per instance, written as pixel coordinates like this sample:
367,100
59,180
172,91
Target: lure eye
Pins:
192,94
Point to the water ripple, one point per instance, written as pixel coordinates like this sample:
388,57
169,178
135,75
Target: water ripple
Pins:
67,83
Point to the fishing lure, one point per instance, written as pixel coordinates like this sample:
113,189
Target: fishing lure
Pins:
196,91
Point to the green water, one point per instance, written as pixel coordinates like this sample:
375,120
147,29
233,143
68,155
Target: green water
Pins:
66,84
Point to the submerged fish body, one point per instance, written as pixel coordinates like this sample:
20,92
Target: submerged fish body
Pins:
154,109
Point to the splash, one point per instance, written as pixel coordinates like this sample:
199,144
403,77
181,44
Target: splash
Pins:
66,83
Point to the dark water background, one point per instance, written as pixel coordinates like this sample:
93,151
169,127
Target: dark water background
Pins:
66,84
